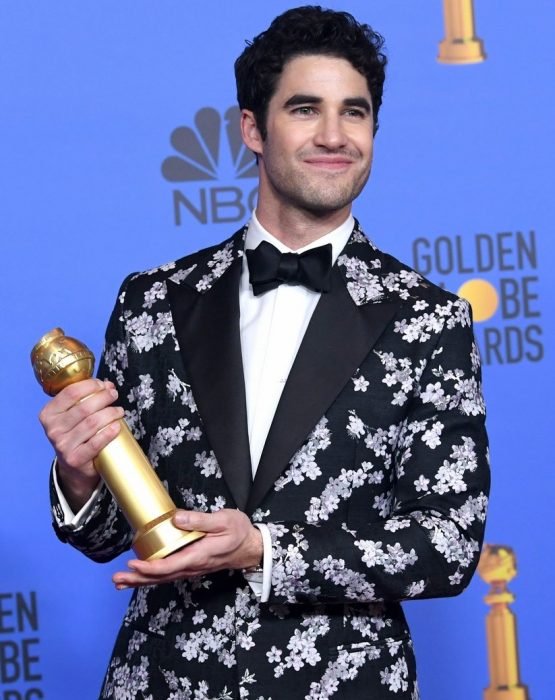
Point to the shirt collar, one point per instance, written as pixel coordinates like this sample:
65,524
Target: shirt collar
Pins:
338,238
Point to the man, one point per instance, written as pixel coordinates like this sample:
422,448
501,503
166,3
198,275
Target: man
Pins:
313,405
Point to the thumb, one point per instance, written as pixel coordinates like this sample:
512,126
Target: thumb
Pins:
192,520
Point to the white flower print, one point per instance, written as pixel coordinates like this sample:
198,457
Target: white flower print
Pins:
395,523
289,567
421,484
219,263
396,676
127,680
274,655
474,508
166,267
363,285
383,503
432,436
217,640
450,476
355,584
301,646
165,440
303,463
344,668
116,360
415,589
146,332
339,489
143,394
394,560
157,292
355,427
208,464
182,274
434,393
178,388
361,384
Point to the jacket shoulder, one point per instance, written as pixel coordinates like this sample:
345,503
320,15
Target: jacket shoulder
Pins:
418,286
396,279
153,282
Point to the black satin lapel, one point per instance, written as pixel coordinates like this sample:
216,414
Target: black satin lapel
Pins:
338,338
207,328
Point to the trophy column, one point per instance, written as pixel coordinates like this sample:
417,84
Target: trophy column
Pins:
497,567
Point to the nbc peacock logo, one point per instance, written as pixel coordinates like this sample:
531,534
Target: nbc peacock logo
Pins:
214,166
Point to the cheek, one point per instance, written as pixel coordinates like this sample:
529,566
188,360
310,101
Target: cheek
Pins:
364,142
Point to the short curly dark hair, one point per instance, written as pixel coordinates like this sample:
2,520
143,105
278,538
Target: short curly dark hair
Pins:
301,31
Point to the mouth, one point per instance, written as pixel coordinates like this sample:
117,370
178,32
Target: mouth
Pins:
330,164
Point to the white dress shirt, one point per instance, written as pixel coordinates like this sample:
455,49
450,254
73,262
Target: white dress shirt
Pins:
272,326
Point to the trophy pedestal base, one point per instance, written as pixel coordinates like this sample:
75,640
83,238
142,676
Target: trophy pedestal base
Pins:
161,537
461,51
519,692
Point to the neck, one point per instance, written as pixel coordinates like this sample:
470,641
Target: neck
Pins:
296,229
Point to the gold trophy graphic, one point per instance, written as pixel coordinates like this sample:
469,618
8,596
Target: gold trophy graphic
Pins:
497,567
460,45
58,361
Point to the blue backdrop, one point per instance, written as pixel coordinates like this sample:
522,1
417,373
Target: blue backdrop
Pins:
90,95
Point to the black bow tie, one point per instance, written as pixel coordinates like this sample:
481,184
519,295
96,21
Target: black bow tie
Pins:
269,268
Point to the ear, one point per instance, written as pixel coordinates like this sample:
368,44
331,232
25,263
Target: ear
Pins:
249,132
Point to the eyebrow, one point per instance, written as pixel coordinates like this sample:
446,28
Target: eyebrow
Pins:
361,102
300,99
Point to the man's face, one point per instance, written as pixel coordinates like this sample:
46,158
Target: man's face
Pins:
318,150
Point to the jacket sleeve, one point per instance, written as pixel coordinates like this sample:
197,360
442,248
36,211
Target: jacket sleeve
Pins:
103,533
429,540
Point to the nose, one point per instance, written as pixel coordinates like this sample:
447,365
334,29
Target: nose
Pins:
330,132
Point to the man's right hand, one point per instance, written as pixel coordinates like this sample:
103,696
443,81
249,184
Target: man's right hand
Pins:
79,422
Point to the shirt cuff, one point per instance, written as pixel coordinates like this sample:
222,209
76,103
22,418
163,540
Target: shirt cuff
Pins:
260,580
71,519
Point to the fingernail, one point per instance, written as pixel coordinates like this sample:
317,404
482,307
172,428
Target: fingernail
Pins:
181,518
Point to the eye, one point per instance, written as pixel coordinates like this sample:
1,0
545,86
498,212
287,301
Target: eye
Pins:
304,110
355,113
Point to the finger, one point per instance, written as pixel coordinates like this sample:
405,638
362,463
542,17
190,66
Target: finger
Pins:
73,393
83,453
56,425
88,428
203,522
190,557
124,580
79,412
143,572
134,578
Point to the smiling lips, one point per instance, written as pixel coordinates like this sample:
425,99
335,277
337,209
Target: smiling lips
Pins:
331,163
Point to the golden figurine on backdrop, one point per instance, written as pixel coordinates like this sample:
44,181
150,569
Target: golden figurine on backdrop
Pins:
497,567
460,45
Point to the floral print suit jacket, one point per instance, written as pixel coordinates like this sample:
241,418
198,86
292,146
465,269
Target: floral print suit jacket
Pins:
373,480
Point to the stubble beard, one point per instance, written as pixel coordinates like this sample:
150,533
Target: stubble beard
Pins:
319,194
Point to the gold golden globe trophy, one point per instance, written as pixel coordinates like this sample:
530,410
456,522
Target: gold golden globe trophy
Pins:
460,45
497,567
58,361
